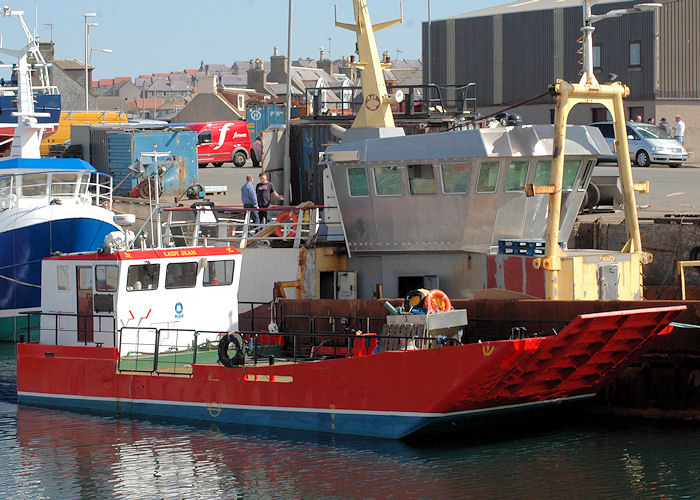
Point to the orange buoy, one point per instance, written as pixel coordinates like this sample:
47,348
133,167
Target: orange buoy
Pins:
281,219
437,301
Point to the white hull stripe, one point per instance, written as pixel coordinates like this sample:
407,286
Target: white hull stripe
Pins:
307,410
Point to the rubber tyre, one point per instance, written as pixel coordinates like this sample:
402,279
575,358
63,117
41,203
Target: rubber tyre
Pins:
239,159
218,164
592,197
237,356
642,159
674,165
203,165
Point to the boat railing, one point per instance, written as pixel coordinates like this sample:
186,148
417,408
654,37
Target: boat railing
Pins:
70,328
419,100
235,225
33,189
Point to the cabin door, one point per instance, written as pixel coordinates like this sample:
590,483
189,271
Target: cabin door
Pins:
84,291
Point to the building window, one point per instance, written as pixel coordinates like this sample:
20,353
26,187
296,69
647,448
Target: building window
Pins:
421,179
241,102
635,53
387,181
488,177
455,177
636,113
357,179
596,57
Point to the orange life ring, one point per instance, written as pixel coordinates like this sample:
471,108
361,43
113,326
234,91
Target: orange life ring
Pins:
437,301
281,219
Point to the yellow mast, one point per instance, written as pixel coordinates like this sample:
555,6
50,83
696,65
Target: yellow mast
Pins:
376,107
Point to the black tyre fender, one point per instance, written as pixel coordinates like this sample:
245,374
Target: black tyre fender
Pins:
235,357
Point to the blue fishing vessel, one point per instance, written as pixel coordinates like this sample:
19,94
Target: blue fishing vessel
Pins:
46,205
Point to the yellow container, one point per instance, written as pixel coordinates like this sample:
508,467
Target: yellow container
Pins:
68,118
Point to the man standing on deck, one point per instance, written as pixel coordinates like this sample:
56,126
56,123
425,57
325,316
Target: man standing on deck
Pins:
265,190
249,199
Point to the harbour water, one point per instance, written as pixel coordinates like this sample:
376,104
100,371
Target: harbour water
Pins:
46,453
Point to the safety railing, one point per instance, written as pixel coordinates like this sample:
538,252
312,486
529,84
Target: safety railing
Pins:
69,329
237,226
418,100
55,188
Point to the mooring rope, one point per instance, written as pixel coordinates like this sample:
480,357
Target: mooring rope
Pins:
19,282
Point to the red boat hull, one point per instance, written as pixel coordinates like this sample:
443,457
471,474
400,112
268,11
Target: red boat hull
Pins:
390,394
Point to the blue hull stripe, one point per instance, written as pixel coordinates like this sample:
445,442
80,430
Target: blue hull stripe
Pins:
393,425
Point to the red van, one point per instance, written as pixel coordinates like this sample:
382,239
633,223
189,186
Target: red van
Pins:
219,142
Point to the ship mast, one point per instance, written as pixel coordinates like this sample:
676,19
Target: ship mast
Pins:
376,106
27,137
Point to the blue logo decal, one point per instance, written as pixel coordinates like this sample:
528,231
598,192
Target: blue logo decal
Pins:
178,310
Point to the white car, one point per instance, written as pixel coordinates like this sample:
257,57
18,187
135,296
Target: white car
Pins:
648,144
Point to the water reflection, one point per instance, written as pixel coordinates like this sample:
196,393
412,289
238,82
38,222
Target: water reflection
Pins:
60,454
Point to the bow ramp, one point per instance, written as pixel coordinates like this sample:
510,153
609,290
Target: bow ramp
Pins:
585,354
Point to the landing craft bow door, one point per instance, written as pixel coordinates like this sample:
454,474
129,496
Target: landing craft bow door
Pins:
84,296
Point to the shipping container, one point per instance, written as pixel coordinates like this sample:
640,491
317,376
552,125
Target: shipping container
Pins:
113,151
262,117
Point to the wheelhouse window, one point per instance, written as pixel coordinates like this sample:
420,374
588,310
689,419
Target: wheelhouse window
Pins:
543,173
421,179
357,180
488,177
106,278
181,275
635,53
204,137
63,277
6,186
455,177
570,173
387,180
142,277
34,184
218,273
517,175
63,184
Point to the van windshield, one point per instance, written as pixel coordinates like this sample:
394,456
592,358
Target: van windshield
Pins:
652,132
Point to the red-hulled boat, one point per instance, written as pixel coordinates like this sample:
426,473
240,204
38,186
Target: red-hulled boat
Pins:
143,354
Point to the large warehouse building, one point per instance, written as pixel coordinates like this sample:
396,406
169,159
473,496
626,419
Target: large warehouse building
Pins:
514,51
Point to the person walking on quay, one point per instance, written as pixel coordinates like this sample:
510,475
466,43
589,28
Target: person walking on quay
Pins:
249,199
665,125
265,190
256,149
679,130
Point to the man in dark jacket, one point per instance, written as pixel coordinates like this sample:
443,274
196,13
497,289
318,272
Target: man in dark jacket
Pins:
264,191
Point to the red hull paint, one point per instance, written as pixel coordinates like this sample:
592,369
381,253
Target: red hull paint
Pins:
579,360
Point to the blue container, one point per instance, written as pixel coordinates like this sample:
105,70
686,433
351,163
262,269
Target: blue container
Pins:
262,117
125,148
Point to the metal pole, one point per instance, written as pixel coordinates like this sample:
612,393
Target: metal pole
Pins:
429,56
86,64
287,167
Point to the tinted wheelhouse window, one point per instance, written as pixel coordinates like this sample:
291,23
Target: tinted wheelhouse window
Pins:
421,179
218,273
488,177
543,173
570,173
106,278
357,179
142,277
517,175
34,184
455,177
387,180
181,275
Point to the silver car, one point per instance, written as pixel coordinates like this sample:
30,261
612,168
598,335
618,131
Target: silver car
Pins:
648,144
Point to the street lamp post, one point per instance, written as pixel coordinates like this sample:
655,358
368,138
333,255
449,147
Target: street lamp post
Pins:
87,53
